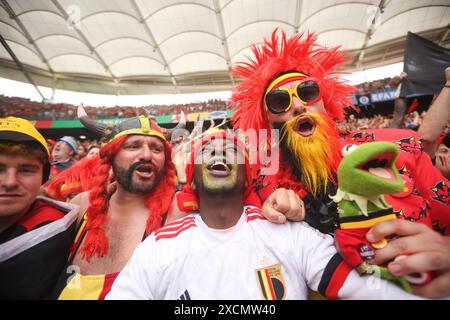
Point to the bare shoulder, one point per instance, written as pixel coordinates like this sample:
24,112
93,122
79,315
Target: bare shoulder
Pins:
174,212
81,200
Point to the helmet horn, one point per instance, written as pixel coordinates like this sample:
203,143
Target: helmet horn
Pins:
93,126
181,124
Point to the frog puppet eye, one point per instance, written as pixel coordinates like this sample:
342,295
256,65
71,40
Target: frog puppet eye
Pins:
347,149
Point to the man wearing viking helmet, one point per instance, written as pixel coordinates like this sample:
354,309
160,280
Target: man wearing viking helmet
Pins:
69,183
111,226
291,84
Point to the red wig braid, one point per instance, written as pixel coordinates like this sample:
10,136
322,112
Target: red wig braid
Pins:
158,200
298,53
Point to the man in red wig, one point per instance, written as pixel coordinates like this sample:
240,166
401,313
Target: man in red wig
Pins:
112,226
291,85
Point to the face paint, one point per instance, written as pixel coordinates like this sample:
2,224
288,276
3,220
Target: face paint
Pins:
217,171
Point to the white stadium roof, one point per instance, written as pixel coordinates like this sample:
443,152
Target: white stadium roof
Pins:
169,46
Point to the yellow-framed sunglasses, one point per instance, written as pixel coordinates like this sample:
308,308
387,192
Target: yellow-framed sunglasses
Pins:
279,100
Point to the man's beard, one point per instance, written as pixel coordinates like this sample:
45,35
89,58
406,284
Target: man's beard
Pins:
207,187
314,159
124,177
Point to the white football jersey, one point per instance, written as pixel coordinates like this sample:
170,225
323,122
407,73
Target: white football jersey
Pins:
255,259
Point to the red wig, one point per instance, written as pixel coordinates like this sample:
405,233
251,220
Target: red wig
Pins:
74,180
158,200
273,58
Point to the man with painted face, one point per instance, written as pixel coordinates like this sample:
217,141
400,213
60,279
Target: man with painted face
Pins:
112,226
228,250
291,85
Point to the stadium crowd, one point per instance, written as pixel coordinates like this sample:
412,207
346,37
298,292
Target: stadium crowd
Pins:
32,110
378,85
146,212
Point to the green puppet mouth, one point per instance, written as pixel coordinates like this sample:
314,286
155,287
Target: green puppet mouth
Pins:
369,169
381,166
365,174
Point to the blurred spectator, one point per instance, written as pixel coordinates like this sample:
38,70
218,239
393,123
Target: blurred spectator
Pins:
93,151
443,156
63,154
412,121
82,152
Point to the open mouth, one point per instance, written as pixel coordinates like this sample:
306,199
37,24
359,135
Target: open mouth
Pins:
305,126
144,171
219,168
380,167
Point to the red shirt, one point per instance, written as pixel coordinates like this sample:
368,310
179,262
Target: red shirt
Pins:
427,199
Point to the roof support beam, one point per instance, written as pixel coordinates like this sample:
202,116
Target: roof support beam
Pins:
298,13
85,40
20,65
445,35
381,6
153,40
13,15
223,38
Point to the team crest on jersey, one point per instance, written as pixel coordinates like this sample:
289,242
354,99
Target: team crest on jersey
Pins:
363,136
441,192
271,282
410,144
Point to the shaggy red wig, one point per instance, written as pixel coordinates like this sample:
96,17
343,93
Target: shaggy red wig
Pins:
298,53
74,180
158,200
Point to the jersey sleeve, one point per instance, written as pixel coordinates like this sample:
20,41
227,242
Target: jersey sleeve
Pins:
325,271
435,189
136,280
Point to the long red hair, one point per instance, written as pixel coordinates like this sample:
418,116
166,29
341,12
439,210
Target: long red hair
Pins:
298,53
158,200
